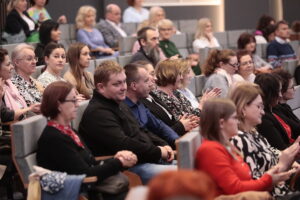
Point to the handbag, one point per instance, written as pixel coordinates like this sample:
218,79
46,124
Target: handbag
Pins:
114,184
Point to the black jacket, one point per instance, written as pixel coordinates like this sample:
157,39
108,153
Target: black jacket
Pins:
15,23
108,127
57,151
159,113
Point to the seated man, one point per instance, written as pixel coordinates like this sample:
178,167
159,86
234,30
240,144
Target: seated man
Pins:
111,27
138,87
279,49
108,126
148,39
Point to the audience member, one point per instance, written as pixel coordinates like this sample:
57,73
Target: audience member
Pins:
247,42
279,49
160,110
19,26
24,61
256,150
155,15
139,87
135,13
295,33
246,67
169,78
111,27
269,32
79,59
182,184
39,14
204,36
49,32
219,68
221,160
61,149
263,22
166,31
13,106
118,129
148,39
278,133
89,35
55,59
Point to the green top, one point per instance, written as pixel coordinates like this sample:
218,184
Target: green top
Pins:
169,48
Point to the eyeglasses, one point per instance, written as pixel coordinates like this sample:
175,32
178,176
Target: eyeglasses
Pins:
71,100
247,63
235,65
293,87
30,59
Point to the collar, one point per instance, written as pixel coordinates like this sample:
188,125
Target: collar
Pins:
130,103
280,40
113,23
98,96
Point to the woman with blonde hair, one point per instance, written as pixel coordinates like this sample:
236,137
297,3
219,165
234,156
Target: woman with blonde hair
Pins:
89,35
221,160
257,152
220,66
155,15
79,58
204,36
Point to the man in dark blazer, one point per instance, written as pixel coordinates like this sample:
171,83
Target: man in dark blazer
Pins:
108,126
111,27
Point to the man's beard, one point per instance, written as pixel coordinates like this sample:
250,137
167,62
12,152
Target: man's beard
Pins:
153,54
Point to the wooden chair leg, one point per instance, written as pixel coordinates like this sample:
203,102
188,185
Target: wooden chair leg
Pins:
134,179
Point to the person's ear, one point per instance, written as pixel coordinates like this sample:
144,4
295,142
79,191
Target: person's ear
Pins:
143,42
221,123
46,59
100,87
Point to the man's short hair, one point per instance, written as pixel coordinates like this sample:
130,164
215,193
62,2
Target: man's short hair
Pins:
131,71
279,23
104,70
142,33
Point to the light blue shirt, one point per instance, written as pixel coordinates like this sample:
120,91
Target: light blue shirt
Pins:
132,15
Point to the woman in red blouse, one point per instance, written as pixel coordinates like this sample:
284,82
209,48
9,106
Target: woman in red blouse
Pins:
224,163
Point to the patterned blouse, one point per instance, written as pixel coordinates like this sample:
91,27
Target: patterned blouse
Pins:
179,105
27,89
260,156
46,78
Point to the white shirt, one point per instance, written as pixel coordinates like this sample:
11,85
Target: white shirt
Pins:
135,16
260,39
29,22
117,27
203,43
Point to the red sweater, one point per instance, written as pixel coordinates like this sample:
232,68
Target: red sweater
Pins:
231,176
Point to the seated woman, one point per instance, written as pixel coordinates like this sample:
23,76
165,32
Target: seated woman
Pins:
161,111
135,13
89,35
39,14
12,98
273,127
156,14
49,32
169,77
263,22
282,109
18,21
24,61
55,58
79,59
204,36
247,42
61,149
221,160
257,152
219,68
246,68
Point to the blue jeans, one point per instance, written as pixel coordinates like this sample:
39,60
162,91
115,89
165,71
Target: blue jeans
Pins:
148,170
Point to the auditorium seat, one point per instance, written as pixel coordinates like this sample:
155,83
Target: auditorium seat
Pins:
124,60
222,38
130,28
180,41
187,25
126,44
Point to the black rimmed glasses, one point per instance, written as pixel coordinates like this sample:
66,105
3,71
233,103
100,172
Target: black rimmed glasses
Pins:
234,65
74,101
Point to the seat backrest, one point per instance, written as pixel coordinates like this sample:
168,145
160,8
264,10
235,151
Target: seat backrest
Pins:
126,44
180,40
38,71
295,102
75,122
187,147
199,84
222,38
233,36
99,61
290,66
91,68
124,60
9,47
188,25
130,28
25,135
65,31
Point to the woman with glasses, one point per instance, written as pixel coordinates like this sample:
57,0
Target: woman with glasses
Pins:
55,58
24,61
246,68
79,59
256,150
219,69
61,149
247,42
